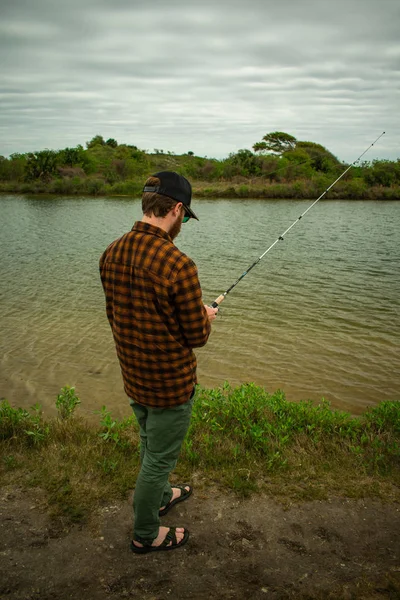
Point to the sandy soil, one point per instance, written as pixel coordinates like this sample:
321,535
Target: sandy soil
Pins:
253,548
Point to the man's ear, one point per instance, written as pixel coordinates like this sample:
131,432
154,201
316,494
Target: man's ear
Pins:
177,209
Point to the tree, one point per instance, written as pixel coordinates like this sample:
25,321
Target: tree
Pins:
277,142
98,140
41,165
3,168
112,143
243,163
72,156
383,172
320,158
14,168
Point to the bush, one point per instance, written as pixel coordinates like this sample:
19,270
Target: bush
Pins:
93,186
28,427
66,402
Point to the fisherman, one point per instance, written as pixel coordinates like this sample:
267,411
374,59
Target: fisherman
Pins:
157,316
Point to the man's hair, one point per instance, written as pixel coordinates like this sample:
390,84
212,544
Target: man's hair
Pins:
155,204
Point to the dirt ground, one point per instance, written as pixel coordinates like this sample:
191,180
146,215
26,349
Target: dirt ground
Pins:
252,548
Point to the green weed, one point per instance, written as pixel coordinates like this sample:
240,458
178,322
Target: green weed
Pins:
243,438
66,402
108,465
12,420
20,424
113,430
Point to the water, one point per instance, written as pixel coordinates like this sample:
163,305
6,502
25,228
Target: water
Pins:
317,317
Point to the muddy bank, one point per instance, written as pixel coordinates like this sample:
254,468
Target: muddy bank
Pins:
253,548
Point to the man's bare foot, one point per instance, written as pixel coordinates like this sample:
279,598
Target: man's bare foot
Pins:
176,493
162,532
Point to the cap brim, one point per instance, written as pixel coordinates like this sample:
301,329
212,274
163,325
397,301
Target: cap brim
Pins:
191,213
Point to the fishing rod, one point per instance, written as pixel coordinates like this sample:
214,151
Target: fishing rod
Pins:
280,238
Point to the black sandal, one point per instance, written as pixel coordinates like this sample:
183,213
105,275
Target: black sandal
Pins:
184,496
170,537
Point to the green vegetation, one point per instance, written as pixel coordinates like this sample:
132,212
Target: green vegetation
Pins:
66,402
277,142
242,438
280,166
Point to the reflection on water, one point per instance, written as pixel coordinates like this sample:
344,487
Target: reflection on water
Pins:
317,317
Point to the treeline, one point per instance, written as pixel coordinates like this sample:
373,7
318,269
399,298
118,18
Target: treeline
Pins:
279,166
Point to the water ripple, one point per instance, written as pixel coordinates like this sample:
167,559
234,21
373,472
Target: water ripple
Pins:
318,317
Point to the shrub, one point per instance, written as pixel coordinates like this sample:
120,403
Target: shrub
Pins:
66,402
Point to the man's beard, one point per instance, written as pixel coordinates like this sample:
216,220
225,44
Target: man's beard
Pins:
175,229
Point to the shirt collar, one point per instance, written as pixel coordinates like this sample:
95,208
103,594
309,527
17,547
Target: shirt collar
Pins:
152,229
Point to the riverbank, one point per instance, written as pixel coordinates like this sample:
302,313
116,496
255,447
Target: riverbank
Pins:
238,187
291,501
301,169
242,438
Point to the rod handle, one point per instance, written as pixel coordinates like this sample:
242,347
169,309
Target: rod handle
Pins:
218,301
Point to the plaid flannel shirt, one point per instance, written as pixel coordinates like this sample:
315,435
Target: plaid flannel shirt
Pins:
154,306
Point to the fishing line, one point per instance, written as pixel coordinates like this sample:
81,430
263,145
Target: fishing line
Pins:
280,238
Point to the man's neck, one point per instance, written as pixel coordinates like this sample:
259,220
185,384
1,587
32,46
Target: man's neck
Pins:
160,222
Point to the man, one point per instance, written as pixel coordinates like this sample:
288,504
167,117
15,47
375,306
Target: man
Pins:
155,309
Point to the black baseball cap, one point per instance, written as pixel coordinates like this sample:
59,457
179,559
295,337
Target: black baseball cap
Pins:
174,186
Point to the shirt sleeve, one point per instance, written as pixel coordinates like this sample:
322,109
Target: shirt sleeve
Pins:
191,312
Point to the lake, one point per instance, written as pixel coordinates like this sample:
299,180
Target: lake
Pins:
317,317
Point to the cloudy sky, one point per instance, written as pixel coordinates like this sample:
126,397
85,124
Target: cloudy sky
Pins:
210,76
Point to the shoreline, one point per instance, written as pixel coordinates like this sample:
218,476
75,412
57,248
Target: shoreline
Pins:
291,501
243,437
212,190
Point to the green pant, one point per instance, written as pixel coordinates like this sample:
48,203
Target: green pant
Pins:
162,431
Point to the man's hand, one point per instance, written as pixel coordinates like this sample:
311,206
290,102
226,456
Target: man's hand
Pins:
211,312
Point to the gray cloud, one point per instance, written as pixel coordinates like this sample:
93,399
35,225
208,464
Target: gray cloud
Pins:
211,77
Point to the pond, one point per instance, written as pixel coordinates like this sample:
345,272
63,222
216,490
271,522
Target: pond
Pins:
317,317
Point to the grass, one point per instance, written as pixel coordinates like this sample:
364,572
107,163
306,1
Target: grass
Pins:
241,438
244,188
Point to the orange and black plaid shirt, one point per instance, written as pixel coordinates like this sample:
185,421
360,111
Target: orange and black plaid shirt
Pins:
154,306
